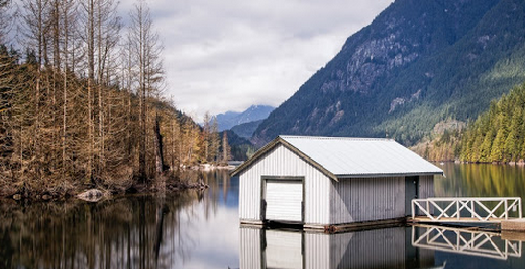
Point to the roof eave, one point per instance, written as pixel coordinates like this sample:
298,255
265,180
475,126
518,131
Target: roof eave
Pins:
270,146
255,156
345,176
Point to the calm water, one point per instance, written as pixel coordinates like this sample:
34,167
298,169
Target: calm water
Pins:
201,230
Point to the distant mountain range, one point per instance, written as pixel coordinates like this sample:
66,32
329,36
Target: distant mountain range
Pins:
232,118
418,64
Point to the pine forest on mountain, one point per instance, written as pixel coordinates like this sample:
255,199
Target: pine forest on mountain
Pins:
82,104
497,136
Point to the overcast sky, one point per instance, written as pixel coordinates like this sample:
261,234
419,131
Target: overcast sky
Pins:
230,54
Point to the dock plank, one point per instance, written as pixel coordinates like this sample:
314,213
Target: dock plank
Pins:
513,225
423,219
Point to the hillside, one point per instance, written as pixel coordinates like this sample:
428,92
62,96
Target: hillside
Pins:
495,137
246,130
418,64
233,118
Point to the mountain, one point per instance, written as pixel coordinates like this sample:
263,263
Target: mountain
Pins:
253,113
241,148
246,130
418,64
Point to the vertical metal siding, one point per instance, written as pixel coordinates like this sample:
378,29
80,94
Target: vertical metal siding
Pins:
426,187
282,162
379,248
367,199
250,248
317,249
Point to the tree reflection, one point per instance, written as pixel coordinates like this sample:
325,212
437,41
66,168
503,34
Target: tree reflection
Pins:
124,232
481,180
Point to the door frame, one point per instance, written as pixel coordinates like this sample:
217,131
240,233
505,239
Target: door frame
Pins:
264,182
411,188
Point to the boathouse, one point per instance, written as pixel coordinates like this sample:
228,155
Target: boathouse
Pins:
331,182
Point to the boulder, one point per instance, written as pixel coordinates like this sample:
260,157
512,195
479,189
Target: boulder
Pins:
92,195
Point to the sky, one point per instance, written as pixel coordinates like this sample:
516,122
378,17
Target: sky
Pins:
230,54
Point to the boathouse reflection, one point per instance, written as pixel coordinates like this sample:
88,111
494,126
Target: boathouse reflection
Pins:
466,242
379,248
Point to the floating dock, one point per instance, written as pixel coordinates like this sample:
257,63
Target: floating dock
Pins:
506,212
513,225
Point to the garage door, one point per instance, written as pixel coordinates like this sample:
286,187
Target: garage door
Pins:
284,200
283,249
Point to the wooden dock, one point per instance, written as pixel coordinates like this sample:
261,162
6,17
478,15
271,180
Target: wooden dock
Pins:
474,211
424,219
513,225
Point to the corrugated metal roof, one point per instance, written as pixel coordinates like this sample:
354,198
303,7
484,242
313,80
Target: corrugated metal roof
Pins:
361,157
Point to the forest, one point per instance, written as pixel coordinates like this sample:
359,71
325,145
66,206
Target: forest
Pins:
82,103
497,136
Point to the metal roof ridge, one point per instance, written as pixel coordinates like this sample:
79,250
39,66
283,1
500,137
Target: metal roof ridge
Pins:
291,147
338,138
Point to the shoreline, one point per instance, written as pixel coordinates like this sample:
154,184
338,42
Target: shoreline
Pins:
189,179
520,163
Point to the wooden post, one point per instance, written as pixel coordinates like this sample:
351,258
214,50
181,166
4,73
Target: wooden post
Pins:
507,209
457,210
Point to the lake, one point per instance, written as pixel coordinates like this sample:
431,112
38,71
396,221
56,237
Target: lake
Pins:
200,229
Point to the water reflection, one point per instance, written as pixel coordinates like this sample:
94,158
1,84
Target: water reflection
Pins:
466,242
201,230
421,246
130,232
379,248
481,180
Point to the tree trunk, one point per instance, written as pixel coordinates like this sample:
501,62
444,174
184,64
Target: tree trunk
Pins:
159,156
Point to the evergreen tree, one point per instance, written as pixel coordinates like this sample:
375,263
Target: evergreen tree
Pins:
498,147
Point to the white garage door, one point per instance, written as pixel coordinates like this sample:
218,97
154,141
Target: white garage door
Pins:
283,249
284,200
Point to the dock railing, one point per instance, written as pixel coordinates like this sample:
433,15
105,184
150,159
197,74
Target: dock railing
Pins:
465,241
484,209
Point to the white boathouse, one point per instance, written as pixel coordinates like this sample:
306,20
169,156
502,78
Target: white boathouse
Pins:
327,182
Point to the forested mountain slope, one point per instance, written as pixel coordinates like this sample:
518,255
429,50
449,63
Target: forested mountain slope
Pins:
417,64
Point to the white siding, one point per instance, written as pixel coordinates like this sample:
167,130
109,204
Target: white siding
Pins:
317,249
282,162
367,199
250,248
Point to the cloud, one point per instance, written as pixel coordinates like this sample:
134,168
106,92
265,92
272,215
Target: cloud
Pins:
229,54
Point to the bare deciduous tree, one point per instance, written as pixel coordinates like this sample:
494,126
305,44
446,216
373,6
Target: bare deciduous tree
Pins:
145,46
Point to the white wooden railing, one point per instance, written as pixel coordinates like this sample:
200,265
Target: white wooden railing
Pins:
477,209
464,241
